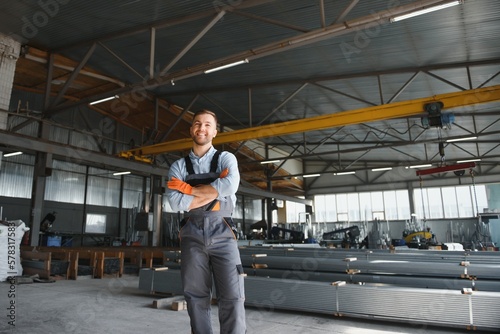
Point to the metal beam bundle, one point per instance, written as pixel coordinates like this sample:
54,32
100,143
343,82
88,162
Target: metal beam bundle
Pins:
378,254
418,307
420,287
412,268
376,267
422,306
392,280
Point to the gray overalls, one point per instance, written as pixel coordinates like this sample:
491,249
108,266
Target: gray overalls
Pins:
209,246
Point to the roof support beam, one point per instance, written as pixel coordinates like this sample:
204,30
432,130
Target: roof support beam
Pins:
188,47
276,47
152,46
74,74
120,59
369,114
76,154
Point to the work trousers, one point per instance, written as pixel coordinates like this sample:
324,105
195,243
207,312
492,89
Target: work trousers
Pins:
210,256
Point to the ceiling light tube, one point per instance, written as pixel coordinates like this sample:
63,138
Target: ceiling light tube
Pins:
460,139
104,100
121,173
310,175
270,162
345,173
381,169
12,154
420,166
470,160
425,10
244,61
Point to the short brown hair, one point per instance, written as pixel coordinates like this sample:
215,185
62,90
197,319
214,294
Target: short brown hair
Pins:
208,112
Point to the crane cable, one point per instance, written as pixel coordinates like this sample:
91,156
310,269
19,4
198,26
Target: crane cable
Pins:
474,188
422,195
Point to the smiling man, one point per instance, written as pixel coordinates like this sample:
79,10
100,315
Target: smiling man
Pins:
204,186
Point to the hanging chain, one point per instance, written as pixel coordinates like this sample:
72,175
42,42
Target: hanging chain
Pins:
422,195
474,188
441,147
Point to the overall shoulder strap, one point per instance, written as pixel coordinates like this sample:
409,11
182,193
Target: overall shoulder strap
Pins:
215,162
189,165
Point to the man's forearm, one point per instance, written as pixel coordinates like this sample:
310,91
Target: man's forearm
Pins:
199,202
205,191
202,195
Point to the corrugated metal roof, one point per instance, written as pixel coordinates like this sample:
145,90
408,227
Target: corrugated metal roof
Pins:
441,52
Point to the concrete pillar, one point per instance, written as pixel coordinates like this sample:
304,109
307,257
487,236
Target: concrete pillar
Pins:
9,53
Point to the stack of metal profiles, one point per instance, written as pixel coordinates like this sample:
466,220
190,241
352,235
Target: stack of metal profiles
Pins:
163,280
442,288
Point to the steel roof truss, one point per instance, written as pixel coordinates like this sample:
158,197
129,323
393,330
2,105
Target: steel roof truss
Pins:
73,75
285,101
191,43
179,118
121,60
345,12
228,114
270,21
403,87
445,81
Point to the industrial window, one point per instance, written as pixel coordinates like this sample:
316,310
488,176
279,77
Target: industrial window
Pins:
132,192
450,202
16,176
391,205
353,207
95,223
66,183
342,208
250,208
377,198
293,211
366,206
450,205
465,201
435,203
102,188
324,211
403,204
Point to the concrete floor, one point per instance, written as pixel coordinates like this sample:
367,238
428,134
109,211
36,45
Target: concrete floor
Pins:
116,305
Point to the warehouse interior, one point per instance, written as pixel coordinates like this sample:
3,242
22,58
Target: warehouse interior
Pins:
315,98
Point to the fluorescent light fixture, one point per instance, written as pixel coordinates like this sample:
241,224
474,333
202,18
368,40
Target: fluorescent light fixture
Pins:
470,160
12,154
381,169
121,173
236,63
460,139
419,166
103,100
425,10
345,173
310,175
270,162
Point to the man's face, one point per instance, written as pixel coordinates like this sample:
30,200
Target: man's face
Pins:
203,129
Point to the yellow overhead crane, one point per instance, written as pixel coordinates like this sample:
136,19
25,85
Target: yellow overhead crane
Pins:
356,116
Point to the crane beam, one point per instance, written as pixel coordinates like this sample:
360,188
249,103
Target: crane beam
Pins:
443,169
363,115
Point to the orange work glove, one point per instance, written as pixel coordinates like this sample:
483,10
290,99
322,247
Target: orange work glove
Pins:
179,185
224,173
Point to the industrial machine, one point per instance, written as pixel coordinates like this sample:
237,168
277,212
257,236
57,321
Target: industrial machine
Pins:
345,237
283,234
419,239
